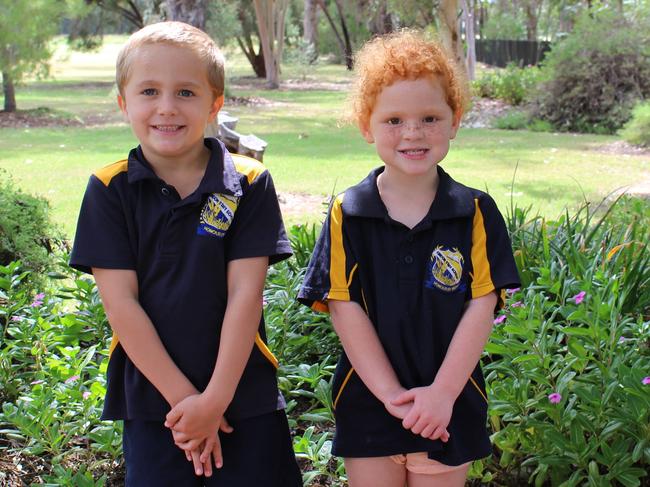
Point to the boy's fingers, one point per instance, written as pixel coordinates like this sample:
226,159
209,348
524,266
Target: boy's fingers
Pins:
216,454
188,455
188,445
403,398
439,433
172,417
198,466
428,431
409,420
206,449
225,426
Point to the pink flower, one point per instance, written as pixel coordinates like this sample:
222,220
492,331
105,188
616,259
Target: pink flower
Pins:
513,291
500,319
555,397
645,381
36,303
36,382
72,379
39,297
16,318
86,395
622,340
518,304
579,298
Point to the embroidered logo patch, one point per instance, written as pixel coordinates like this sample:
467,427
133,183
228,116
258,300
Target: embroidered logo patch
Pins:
217,214
445,269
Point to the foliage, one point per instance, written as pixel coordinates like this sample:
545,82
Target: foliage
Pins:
26,232
504,25
597,74
567,359
512,84
637,130
512,120
25,31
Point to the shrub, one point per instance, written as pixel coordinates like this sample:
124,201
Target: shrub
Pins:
511,84
513,120
596,74
637,130
26,231
568,358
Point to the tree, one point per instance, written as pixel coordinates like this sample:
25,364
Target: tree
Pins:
26,29
343,37
470,40
191,12
270,15
310,26
449,32
130,10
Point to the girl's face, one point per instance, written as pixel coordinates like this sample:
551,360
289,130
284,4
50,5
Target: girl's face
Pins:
411,125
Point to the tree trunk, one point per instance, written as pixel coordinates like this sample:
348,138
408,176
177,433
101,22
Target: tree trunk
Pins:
448,15
189,11
270,16
310,27
256,59
9,92
468,18
344,39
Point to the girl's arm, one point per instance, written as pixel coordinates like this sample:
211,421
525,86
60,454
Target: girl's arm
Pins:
432,405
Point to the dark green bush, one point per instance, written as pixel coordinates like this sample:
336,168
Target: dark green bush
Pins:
27,233
597,74
637,130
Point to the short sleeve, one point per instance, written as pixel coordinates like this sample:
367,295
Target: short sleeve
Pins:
332,269
257,229
493,264
101,239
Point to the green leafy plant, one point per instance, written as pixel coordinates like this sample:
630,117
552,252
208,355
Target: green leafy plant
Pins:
637,130
511,84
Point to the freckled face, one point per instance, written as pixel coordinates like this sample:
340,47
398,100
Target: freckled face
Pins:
168,101
411,125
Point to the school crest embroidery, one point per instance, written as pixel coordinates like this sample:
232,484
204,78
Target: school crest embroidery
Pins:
217,214
445,270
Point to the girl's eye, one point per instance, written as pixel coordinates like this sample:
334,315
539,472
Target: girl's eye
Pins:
393,121
149,92
185,93
429,119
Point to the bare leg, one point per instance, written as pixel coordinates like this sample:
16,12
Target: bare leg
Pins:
455,478
375,472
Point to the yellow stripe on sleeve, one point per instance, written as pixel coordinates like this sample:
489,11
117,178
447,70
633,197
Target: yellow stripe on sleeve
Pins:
248,166
481,277
114,342
107,173
338,280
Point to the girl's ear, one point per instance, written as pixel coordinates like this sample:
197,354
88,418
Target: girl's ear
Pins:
367,134
455,124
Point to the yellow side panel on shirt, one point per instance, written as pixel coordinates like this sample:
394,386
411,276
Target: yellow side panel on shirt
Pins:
481,278
338,279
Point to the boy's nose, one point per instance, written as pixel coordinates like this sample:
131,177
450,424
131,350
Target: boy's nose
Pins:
167,105
412,129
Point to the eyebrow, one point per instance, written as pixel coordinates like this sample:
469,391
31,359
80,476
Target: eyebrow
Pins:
181,83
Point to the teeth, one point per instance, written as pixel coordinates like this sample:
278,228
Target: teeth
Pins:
414,151
167,128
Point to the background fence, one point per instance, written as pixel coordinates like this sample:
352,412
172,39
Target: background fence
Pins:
499,52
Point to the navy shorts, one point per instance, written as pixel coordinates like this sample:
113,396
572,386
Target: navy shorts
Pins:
258,453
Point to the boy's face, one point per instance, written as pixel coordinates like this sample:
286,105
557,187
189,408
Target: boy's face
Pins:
411,125
168,101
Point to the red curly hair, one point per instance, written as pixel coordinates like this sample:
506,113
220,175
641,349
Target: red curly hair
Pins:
406,54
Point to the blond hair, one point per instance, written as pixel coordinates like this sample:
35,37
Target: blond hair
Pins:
402,55
176,34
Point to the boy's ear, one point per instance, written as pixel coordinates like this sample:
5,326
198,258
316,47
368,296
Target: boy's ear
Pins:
121,101
217,104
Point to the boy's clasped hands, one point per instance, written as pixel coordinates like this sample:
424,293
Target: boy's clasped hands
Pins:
425,411
195,423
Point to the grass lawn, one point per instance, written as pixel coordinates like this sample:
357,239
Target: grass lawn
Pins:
308,151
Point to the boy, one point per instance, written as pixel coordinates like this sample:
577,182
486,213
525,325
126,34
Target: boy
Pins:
410,265
178,238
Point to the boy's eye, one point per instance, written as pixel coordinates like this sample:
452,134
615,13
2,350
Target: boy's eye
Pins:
149,92
429,119
185,93
393,121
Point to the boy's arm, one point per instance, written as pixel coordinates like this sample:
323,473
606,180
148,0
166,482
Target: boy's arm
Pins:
119,292
432,405
198,417
366,354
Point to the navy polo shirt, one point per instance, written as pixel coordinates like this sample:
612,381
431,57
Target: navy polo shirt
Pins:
414,285
131,219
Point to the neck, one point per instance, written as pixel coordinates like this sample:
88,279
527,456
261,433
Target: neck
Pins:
412,186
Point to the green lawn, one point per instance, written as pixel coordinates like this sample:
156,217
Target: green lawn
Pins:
309,152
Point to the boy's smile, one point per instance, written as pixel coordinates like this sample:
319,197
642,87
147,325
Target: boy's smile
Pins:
168,101
411,125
